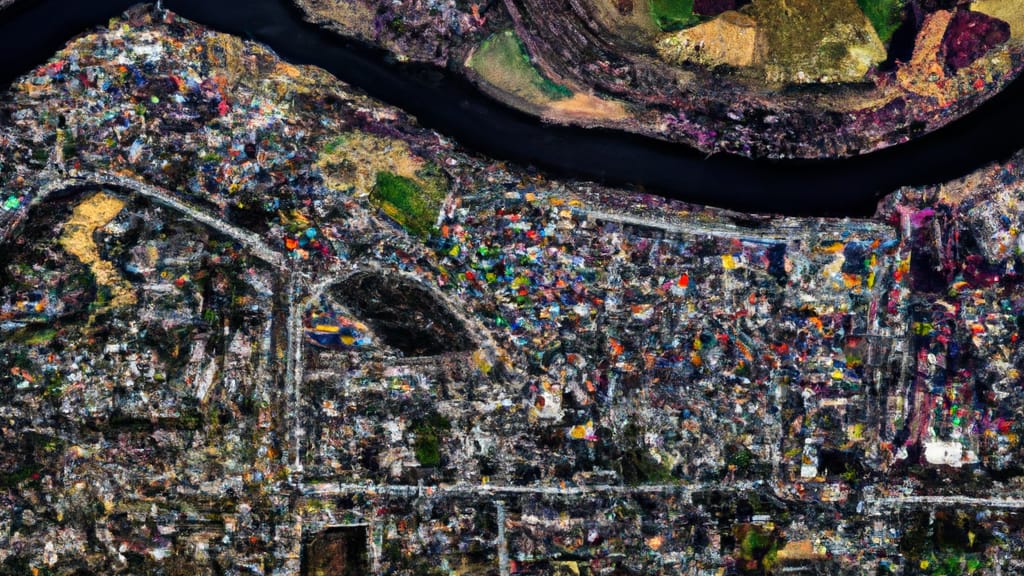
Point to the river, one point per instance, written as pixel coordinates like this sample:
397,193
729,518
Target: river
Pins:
33,30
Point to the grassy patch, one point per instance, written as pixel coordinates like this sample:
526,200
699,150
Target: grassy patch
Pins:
639,467
637,464
413,204
33,336
19,475
502,60
817,38
672,15
885,15
758,548
335,144
351,161
428,439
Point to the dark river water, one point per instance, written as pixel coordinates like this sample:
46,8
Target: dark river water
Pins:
33,30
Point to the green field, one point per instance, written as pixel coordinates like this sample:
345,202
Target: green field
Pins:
885,15
502,60
409,203
672,15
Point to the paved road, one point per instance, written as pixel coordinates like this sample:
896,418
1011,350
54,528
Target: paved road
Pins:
59,183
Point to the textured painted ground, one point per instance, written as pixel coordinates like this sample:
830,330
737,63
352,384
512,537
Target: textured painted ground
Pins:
254,322
777,78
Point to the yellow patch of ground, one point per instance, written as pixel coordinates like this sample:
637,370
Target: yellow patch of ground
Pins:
233,61
300,79
92,213
585,106
225,54
811,41
1009,11
354,159
730,38
630,19
924,74
800,550
353,17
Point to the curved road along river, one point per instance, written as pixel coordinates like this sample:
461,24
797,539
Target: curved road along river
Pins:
33,30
